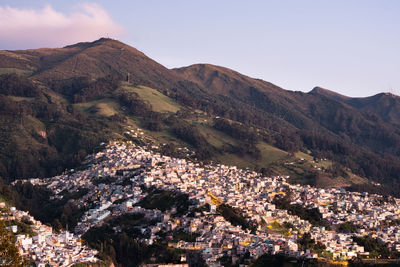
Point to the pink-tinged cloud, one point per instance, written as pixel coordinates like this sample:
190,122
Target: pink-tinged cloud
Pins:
46,27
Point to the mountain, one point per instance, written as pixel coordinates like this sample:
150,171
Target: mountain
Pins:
385,105
57,105
321,110
222,80
90,60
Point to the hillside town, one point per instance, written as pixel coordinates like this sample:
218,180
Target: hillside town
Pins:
117,176
39,244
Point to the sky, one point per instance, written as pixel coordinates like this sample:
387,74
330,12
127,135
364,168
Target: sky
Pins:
348,46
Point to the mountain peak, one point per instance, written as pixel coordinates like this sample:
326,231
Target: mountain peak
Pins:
224,81
92,60
387,94
328,93
100,41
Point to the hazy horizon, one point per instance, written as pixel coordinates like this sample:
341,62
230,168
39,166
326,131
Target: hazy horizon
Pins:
346,47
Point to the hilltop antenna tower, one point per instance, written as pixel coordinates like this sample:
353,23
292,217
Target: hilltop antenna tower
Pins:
393,91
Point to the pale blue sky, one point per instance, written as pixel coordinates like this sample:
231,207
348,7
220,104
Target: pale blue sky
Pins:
348,46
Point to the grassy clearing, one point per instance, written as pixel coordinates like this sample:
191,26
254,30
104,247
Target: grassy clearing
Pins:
269,154
355,179
319,163
302,165
20,98
326,164
158,101
14,70
162,136
214,137
220,140
104,107
235,160
302,155
327,182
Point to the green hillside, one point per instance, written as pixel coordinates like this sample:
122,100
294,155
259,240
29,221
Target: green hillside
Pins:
158,101
103,107
58,105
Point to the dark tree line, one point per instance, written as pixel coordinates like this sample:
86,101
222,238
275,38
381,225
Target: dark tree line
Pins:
190,134
234,216
9,254
134,104
28,151
375,247
247,136
97,88
236,130
82,89
124,250
16,85
165,200
312,215
36,200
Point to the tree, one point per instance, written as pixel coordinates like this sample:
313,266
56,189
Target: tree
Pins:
306,241
57,226
9,255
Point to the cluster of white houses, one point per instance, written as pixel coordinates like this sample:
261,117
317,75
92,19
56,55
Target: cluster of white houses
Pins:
247,191
43,246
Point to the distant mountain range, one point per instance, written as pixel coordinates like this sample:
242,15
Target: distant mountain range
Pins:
57,105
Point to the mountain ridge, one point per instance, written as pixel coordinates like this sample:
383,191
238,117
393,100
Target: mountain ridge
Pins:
385,105
73,84
102,42
329,93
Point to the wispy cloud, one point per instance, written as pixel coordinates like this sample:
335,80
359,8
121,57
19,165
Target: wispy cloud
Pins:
47,27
